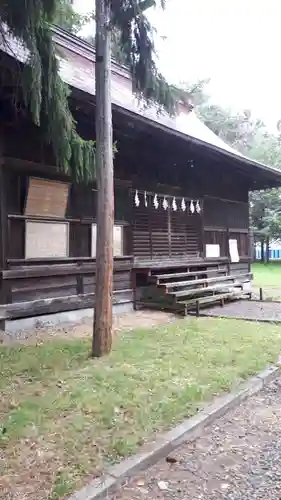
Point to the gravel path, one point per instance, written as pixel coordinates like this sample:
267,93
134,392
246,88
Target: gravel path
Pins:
247,309
238,458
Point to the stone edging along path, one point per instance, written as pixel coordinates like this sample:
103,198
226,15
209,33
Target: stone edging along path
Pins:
189,430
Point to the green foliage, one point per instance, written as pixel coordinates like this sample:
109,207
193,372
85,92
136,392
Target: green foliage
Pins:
132,45
44,92
266,212
195,91
89,413
237,129
67,18
134,36
250,136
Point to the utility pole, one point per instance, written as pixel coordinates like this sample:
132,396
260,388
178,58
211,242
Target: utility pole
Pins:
102,332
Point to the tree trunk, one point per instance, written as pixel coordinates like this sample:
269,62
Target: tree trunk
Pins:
262,249
252,247
267,249
102,334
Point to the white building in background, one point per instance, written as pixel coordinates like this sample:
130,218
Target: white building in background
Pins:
274,250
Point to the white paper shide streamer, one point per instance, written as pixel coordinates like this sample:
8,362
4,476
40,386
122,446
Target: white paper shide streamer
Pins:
137,200
174,205
145,199
165,204
182,204
155,201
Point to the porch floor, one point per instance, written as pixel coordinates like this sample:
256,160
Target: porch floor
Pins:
180,261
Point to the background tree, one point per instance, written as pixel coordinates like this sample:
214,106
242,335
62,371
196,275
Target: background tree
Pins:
45,95
67,18
250,136
116,49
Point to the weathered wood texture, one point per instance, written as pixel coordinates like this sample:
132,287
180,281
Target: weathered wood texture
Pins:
154,238
35,279
160,233
60,304
28,282
102,336
224,220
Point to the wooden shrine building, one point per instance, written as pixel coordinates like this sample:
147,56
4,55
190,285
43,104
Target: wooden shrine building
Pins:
181,196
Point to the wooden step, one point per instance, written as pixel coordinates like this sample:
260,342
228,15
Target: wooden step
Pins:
229,277
213,298
157,277
214,288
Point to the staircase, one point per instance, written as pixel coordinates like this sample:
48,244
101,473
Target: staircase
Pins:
187,291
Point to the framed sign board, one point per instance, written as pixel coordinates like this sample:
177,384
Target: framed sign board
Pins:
46,239
212,251
117,241
94,240
47,198
233,250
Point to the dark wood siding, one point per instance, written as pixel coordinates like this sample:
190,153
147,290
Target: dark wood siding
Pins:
25,281
223,213
224,220
217,237
141,232
185,231
156,237
242,241
159,232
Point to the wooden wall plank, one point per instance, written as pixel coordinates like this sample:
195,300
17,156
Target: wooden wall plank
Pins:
3,219
46,197
58,304
66,284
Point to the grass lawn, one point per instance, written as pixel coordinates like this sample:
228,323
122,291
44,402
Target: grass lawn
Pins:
65,417
268,276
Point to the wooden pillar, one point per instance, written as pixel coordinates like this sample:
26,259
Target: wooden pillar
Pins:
251,249
4,284
129,231
227,250
150,215
134,286
169,229
3,211
202,231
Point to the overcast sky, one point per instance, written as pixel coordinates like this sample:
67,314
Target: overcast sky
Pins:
236,43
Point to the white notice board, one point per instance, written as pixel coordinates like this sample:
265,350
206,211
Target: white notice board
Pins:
94,240
233,251
212,251
117,241
46,239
